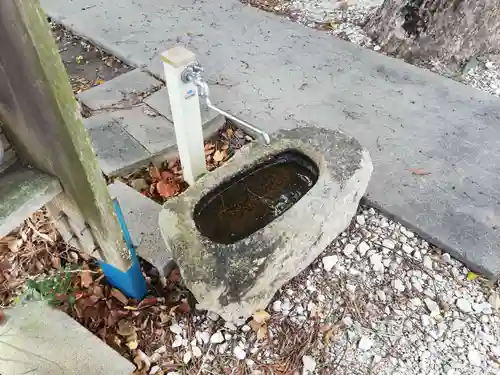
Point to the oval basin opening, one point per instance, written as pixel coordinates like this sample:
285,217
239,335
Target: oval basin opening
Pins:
253,198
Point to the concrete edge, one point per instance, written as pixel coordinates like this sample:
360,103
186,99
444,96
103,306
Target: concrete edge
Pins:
432,239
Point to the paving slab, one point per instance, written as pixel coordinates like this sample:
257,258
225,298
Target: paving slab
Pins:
39,340
160,102
155,133
279,74
116,150
126,89
23,191
141,216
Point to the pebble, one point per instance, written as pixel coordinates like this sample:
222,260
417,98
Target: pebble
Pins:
196,351
389,244
239,352
347,321
223,348
217,338
457,325
398,285
407,249
277,306
474,357
187,357
245,328
360,219
363,247
427,261
349,249
433,307
175,328
154,370
177,341
329,262
464,305
308,365
376,262
213,316
365,343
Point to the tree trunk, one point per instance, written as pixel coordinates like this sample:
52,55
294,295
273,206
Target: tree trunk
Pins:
452,31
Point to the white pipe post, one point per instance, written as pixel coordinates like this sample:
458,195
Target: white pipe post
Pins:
185,107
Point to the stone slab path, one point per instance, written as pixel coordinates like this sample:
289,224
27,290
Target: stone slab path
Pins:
54,345
278,74
131,121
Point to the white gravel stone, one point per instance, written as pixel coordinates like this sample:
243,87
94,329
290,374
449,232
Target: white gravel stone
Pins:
407,249
474,357
277,306
376,262
308,365
187,357
347,321
196,351
245,328
239,352
349,249
175,328
177,341
464,305
427,261
398,285
363,247
365,343
329,262
389,244
433,307
457,325
217,338
360,219
213,316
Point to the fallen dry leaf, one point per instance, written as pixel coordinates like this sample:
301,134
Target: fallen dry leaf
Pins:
125,328
418,171
166,189
166,175
119,296
154,172
262,333
255,325
86,278
175,275
261,316
132,345
219,156
15,245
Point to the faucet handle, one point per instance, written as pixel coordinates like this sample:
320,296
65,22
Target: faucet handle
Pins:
192,71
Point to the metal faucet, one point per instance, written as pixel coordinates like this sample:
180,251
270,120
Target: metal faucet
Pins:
192,73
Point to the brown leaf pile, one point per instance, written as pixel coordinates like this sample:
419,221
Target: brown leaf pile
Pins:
131,327
162,182
34,249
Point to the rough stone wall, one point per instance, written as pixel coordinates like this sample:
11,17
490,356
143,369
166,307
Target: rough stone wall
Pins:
452,31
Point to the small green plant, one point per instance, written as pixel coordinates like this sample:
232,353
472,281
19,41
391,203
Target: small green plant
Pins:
55,289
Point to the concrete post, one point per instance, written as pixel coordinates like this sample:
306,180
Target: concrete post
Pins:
185,108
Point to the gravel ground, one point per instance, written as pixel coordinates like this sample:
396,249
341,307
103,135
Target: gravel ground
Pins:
379,300
346,22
